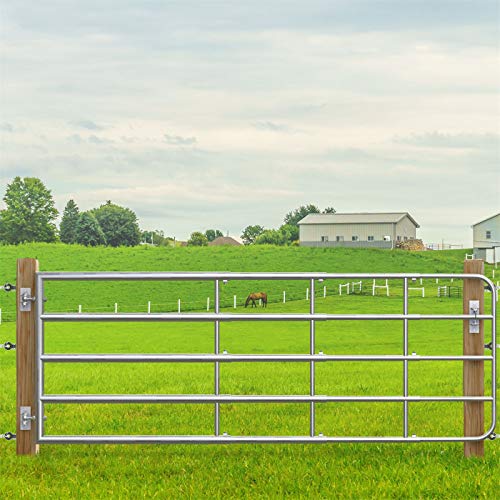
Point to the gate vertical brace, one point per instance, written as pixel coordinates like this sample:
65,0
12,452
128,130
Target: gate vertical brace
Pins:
217,351
473,290
405,362
26,351
312,348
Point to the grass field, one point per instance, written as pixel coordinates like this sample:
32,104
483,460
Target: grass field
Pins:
347,470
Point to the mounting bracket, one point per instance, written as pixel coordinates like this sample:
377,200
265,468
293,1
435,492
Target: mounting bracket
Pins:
474,309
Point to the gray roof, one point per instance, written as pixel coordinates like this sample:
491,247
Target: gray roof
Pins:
357,218
481,221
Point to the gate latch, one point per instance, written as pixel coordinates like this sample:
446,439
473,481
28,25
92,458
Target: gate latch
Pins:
25,300
8,436
26,418
474,309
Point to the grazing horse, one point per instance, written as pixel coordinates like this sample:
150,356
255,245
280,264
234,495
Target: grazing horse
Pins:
256,296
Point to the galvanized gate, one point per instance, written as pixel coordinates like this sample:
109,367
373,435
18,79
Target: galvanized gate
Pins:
474,319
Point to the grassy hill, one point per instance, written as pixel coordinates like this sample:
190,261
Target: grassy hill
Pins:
133,297
351,470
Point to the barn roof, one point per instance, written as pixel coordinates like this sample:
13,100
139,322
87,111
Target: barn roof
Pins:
357,218
224,240
481,221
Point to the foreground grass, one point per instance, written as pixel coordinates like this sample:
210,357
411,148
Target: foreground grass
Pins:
346,470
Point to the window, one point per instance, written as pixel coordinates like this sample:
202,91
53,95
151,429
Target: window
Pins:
355,238
406,238
387,238
399,238
488,235
370,238
324,239
340,238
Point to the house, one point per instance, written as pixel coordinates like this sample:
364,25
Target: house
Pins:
370,230
224,241
486,236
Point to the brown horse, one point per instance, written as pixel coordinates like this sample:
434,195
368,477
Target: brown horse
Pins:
257,296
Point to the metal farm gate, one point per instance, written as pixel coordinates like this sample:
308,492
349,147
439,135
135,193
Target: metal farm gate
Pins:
32,358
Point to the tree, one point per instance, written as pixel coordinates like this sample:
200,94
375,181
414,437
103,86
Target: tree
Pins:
329,210
197,239
88,231
290,232
211,234
30,212
119,224
67,229
250,233
298,214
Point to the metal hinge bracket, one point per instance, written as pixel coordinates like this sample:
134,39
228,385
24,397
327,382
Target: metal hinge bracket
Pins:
25,300
26,418
474,309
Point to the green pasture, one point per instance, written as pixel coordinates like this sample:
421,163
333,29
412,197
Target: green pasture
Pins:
346,470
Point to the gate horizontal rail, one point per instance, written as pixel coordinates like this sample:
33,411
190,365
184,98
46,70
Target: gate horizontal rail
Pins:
233,358
209,317
197,398
216,357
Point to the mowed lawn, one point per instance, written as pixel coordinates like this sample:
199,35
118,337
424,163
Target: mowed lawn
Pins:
348,470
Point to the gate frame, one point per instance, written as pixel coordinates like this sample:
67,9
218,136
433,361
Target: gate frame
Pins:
31,357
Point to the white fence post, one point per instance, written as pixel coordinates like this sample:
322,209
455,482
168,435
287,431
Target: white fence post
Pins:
149,307
234,301
116,307
386,286
284,296
324,292
307,293
179,305
80,308
208,303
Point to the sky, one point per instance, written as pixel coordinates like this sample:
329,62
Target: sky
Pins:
221,114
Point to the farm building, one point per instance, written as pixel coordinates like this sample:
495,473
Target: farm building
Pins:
224,241
486,236
371,230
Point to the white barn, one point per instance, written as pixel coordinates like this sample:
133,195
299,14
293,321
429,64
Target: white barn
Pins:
371,230
486,236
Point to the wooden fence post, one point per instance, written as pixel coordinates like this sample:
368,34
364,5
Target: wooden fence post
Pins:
473,370
26,357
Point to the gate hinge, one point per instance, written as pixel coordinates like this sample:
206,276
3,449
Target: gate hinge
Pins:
26,418
8,346
8,287
9,436
25,300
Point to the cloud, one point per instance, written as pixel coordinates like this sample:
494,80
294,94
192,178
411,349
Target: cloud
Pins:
177,140
94,139
452,141
271,126
86,124
6,127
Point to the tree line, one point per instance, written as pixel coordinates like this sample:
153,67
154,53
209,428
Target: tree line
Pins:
30,216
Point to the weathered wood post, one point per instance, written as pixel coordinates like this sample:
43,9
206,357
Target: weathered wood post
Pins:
26,355
473,370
